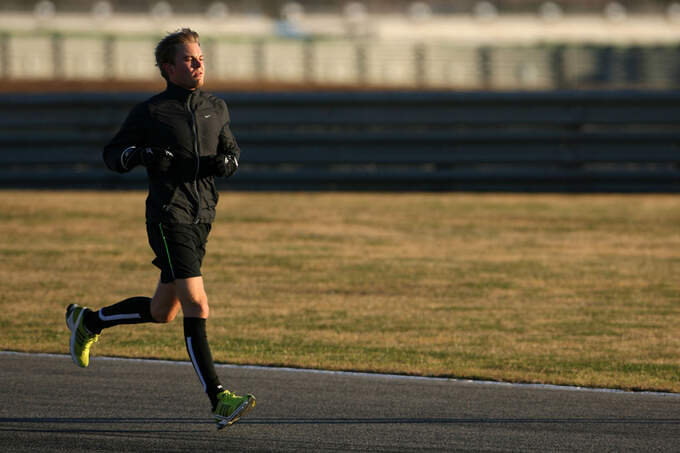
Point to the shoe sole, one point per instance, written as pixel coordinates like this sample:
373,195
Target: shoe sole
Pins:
69,310
74,329
243,409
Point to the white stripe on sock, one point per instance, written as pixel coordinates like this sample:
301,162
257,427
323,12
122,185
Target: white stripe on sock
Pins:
106,318
195,363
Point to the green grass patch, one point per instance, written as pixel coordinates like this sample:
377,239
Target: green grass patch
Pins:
564,289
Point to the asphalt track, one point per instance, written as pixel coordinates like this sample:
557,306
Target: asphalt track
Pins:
47,404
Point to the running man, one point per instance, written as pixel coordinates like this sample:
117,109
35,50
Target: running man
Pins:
183,139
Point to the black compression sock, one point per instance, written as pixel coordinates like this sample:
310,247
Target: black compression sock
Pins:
135,310
201,357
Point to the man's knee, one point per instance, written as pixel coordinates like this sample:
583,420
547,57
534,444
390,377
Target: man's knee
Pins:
192,294
196,307
163,316
164,304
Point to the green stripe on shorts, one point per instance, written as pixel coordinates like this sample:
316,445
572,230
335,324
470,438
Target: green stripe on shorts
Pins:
167,251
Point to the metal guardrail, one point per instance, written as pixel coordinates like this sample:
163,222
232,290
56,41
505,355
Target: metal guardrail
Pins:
622,141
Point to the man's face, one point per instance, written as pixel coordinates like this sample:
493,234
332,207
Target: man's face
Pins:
188,69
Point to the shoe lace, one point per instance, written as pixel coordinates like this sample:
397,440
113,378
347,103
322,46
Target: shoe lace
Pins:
225,396
228,401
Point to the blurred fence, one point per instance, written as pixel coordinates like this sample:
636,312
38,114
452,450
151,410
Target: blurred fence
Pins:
621,141
431,64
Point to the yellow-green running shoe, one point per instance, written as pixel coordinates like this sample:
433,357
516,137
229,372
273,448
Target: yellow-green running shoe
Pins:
230,408
81,338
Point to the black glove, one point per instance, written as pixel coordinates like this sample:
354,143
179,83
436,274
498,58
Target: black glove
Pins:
157,158
225,165
152,158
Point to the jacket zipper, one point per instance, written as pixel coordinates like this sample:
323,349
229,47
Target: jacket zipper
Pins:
198,158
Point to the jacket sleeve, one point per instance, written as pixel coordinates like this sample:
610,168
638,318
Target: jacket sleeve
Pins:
227,143
131,133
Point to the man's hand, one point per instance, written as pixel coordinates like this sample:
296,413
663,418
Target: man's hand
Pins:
157,158
225,165
152,158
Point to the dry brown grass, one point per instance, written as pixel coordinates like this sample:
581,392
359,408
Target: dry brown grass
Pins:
578,290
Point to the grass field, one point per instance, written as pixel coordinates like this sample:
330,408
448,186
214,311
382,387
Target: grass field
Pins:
581,290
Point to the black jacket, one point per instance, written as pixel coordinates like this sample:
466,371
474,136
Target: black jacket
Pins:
194,126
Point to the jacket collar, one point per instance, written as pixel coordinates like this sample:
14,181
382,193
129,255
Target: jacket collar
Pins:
179,93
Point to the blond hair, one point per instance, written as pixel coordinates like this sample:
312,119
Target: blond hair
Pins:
166,49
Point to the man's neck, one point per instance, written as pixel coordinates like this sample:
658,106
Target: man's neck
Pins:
179,91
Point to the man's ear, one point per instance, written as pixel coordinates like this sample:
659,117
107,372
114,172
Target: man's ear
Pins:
168,68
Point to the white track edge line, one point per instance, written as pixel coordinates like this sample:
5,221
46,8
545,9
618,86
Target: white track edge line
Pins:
366,375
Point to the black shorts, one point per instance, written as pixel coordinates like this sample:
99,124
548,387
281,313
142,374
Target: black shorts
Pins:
179,249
